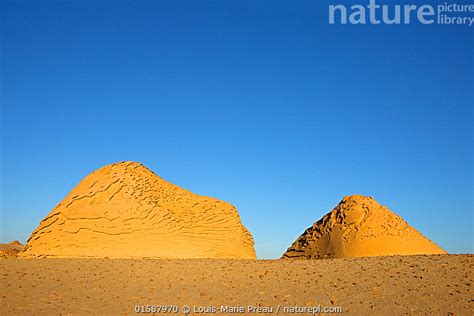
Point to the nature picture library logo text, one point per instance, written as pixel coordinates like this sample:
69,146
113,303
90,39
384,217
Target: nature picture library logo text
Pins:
372,12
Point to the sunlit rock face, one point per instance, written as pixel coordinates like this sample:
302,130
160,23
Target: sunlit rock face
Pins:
10,250
359,227
124,210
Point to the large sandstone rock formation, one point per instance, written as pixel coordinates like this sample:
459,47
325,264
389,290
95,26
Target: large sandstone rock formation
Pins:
358,227
124,210
10,250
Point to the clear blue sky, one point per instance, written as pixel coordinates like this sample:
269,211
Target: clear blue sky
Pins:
265,106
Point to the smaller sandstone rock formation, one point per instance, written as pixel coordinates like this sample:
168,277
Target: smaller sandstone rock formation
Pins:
359,227
10,250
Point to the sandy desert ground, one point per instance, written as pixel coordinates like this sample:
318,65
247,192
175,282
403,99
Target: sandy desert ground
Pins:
406,285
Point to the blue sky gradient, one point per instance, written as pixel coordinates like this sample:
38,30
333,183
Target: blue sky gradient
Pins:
265,106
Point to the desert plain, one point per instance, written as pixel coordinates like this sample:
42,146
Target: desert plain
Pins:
389,285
